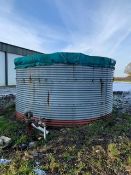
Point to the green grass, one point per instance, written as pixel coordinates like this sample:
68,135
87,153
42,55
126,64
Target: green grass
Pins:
15,168
100,148
11,128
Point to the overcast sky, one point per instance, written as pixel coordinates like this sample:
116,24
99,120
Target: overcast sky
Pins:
94,27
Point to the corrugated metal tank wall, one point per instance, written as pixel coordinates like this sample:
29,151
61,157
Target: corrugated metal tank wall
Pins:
64,94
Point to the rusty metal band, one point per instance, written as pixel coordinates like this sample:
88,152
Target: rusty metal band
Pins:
61,123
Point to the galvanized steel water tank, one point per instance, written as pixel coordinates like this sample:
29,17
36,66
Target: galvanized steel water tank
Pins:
64,88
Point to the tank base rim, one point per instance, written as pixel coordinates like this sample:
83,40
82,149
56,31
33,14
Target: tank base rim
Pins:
63,123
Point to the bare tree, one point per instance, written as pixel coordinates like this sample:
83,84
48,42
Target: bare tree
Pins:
128,69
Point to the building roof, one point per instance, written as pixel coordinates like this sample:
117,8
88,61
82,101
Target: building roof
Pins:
4,47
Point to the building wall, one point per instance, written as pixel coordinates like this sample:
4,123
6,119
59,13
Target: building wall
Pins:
2,68
8,53
11,68
11,73
8,73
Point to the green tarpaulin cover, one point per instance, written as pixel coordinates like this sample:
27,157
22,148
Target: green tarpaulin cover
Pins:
63,58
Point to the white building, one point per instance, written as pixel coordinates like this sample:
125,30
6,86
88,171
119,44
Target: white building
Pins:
7,55
7,72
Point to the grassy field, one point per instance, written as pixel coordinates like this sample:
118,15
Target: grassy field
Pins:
123,79
101,148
